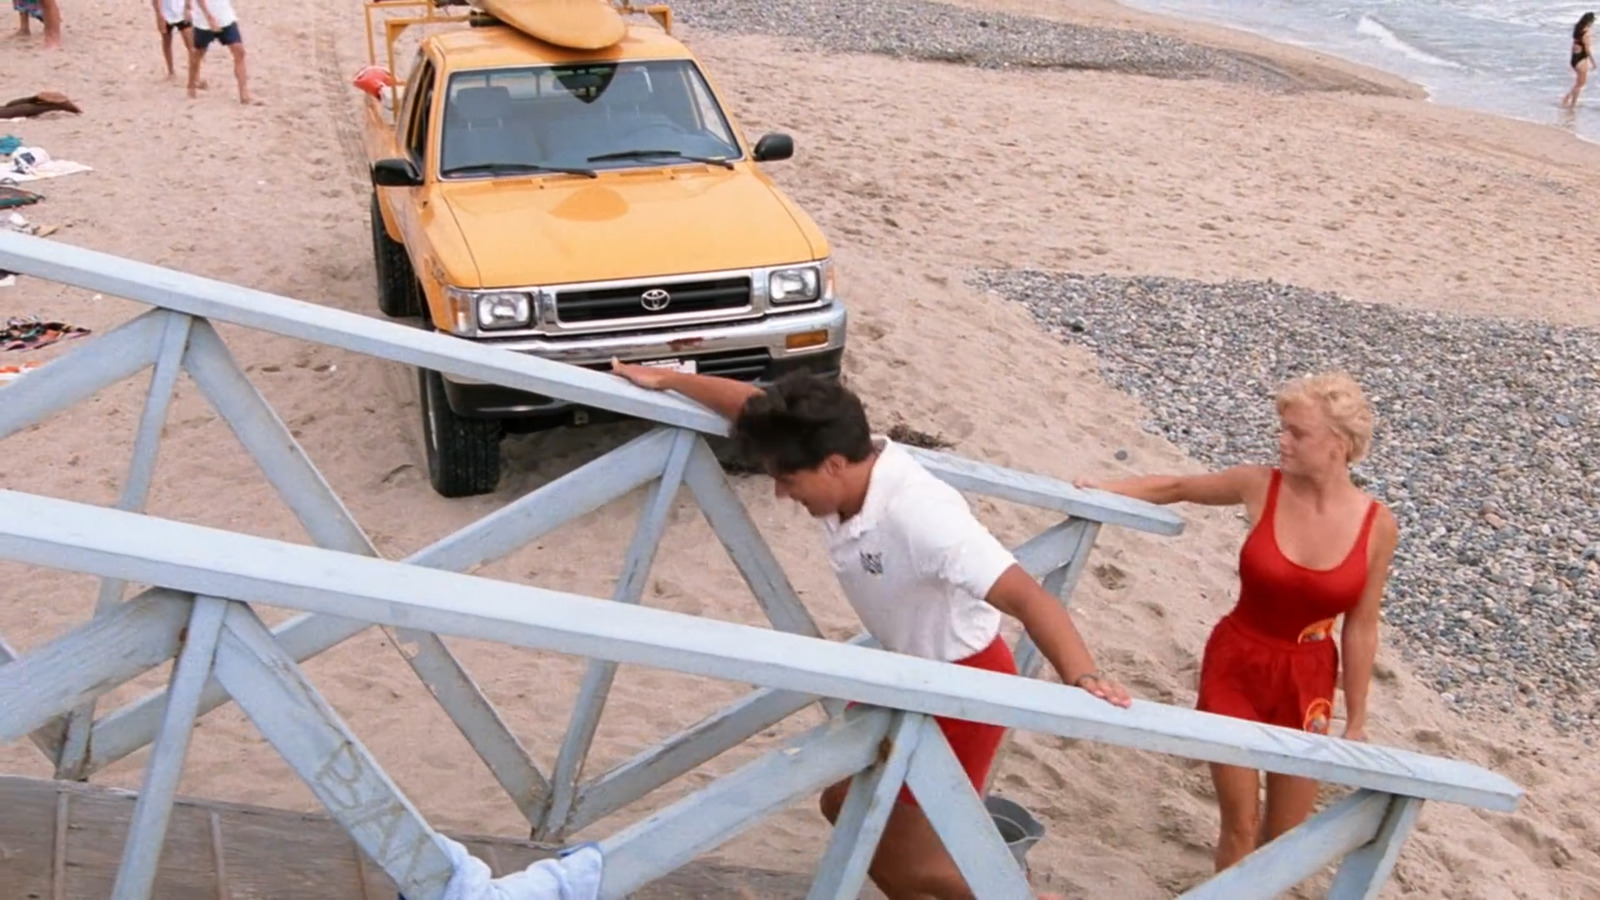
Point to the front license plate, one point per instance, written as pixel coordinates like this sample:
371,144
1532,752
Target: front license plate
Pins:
686,366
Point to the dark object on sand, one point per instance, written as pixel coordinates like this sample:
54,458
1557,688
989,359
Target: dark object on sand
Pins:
28,333
11,196
901,433
38,105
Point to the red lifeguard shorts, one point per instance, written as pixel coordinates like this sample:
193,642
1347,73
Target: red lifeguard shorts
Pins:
974,743
1249,675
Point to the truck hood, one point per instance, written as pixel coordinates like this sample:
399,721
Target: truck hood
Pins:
559,230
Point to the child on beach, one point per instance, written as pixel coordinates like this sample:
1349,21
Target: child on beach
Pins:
925,576
216,22
1319,548
1581,57
27,10
173,15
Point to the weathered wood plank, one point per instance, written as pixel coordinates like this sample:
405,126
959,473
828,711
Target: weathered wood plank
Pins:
49,737
571,496
1366,869
88,660
958,815
222,302
147,832
732,524
1045,492
321,749
84,371
716,813
842,873
701,742
79,537
141,472
271,854
599,675
1301,852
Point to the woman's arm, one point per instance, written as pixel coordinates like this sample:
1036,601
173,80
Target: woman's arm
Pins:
724,396
1230,487
1360,635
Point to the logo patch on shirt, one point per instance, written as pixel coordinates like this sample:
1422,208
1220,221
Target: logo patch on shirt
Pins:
872,563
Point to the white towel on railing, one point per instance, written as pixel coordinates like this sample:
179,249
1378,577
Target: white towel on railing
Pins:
574,875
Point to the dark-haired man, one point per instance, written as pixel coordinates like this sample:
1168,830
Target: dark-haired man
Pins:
925,576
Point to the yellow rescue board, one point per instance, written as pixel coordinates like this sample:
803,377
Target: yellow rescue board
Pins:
578,24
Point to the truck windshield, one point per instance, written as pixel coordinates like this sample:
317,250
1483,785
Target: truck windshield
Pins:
589,116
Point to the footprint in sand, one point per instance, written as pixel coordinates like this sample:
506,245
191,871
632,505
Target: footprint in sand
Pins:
1110,577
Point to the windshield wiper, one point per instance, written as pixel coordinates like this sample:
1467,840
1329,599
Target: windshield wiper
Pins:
505,168
639,154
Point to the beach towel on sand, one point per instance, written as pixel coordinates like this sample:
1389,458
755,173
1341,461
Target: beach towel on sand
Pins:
574,875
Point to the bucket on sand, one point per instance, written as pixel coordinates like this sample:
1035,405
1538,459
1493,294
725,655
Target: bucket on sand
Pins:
1018,828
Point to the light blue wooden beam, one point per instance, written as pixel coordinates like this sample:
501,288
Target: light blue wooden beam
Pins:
111,543
329,522
597,678
742,539
63,263
328,757
147,830
1049,493
571,496
1300,852
873,792
89,660
1366,869
718,812
49,737
688,749
84,371
141,473
961,820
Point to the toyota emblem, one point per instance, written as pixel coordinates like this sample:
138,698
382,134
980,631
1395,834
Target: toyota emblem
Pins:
655,299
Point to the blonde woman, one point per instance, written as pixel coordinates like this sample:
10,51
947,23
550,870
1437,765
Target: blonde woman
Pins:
1318,549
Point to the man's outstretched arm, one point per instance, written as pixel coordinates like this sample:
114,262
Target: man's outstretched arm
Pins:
724,396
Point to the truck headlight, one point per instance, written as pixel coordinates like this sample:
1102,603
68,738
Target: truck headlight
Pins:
491,310
798,284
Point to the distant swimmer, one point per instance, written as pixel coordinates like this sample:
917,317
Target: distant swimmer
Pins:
1582,57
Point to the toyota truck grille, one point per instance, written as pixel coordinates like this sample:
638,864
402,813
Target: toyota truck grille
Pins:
646,301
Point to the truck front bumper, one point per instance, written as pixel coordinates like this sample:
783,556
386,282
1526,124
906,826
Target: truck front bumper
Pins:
756,352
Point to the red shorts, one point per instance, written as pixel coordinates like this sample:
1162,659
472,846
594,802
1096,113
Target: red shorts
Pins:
974,743
1249,675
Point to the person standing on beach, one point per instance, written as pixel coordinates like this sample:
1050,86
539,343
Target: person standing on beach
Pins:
48,14
1319,548
925,576
217,23
173,15
1582,57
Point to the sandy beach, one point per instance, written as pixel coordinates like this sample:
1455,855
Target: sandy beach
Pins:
1311,172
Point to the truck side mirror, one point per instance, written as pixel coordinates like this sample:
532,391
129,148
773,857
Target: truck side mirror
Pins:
395,172
773,146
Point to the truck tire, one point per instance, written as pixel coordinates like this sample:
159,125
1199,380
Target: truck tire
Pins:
397,284
463,454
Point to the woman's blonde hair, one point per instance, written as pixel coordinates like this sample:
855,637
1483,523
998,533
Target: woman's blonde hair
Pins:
1341,400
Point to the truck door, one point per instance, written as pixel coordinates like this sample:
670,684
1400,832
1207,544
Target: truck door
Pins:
416,143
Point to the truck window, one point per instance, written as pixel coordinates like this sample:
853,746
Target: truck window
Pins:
567,115
421,101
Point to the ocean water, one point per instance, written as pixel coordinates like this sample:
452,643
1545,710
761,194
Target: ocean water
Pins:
1507,57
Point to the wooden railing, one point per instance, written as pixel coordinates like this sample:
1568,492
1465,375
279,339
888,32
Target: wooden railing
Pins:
204,580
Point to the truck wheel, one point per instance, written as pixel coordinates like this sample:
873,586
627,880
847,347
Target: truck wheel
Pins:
397,284
463,454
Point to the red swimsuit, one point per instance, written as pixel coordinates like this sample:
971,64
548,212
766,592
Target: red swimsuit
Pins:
1272,658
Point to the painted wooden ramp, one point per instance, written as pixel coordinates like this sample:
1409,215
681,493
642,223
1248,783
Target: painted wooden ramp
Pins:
62,840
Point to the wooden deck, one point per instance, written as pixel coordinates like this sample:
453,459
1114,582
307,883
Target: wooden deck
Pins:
63,841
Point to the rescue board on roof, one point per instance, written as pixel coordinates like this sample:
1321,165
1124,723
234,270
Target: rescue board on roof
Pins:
577,24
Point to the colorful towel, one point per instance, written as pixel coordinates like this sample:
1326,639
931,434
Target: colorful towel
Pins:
28,333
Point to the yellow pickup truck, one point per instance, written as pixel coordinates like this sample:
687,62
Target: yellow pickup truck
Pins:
577,204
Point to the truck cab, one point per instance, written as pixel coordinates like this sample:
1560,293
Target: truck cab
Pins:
581,204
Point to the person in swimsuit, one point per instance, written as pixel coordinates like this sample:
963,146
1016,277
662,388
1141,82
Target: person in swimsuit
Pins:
925,576
1582,58
1318,549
